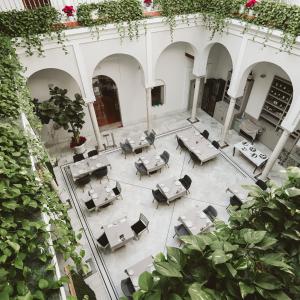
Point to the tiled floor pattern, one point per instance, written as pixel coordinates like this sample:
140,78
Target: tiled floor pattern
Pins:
209,184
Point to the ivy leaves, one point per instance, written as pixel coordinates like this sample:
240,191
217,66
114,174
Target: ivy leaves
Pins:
108,12
31,26
255,257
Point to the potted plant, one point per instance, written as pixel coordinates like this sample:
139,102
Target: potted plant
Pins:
70,16
66,113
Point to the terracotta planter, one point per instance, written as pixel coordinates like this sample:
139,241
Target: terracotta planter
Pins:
153,13
71,24
80,149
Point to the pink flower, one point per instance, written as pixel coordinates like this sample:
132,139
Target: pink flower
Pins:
69,10
251,3
147,2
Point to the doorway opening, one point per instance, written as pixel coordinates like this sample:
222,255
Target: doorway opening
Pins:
107,102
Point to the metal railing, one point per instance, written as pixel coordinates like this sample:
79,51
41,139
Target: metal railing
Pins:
6,5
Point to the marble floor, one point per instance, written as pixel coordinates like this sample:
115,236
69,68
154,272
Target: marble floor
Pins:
208,188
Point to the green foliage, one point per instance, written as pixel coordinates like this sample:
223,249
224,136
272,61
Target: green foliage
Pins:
26,268
63,111
273,14
32,26
116,11
215,13
25,260
255,256
13,91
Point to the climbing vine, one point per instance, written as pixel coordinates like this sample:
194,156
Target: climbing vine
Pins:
28,28
26,259
125,12
216,13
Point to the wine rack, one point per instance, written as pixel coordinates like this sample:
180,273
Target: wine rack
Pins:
278,102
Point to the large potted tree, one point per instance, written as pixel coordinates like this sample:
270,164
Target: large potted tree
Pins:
66,113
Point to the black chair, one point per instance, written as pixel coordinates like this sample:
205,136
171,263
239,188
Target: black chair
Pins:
205,133
78,157
180,231
261,184
159,197
215,144
100,173
235,201
186,181
117,190
127,288
211,212
165,156
151,138
103,241
140,168
140,226
92,153
180,144
126,149
90,205
194,158
82,181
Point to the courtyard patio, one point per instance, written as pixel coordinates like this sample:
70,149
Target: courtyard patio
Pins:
209,184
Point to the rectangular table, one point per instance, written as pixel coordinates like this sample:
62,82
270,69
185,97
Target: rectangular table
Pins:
172,189
249,151
118,233
238,191
88,165
152,162
199,145
195,221
101,194
137,269
138,142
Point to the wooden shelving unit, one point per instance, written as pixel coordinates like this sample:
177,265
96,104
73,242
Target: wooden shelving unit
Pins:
277,103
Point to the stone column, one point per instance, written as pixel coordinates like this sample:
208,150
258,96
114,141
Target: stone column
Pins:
275,154
148,107
228,119
95,125
195,99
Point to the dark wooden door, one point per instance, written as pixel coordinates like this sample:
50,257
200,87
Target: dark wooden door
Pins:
31,4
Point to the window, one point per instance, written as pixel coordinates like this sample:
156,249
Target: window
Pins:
158,95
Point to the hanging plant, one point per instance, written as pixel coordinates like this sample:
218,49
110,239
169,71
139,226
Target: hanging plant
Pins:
28,28
125,13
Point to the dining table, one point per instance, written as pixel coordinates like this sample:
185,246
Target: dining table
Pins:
88,165
134,272
195,221
172,189
199,145
137,142
152,162
101,195
250,152
118,233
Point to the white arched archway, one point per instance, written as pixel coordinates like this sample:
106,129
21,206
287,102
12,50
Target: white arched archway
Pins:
174,67
128,75
39,83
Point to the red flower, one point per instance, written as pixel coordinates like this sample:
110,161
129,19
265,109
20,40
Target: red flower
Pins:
69,10
148,2
73,143
251,3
